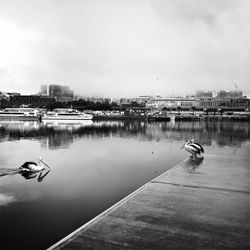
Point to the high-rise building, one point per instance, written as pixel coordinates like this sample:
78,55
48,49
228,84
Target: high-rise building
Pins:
61,93
44,89
229,94
235,94
202,94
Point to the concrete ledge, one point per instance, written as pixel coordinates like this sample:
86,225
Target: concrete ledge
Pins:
198,204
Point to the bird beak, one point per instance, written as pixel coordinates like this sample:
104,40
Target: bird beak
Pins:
45,163
182,147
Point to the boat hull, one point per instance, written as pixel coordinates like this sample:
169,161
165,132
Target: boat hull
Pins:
63,119
19,118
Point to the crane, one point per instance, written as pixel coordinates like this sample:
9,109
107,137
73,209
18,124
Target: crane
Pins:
235,84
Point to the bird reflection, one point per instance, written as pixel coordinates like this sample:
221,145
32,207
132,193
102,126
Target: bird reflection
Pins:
192,164
27,175
32,175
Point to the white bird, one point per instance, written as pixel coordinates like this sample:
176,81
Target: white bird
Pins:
31,166
193,147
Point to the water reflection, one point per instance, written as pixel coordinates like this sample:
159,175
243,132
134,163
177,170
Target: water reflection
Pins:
27,175
40,176
6,172
55,135
103,162
192,164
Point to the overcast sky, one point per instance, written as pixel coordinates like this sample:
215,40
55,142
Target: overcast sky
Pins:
118,48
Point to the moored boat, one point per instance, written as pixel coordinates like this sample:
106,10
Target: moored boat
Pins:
20,114
66,115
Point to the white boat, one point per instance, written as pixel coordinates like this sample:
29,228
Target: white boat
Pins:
19,114
66,115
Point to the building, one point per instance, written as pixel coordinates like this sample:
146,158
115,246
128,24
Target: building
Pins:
215,103
5,97
107,100
229,94
95,99
202,94
235,94
44,89
31,100
79,97
172,102
60,93
212,102
143,99
125,101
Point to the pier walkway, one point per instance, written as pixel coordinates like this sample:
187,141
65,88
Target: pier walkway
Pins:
198,204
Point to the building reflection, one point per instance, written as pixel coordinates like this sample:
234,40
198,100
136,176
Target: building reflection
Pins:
223,133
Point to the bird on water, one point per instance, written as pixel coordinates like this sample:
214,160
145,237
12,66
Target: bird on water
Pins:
30,166
193,147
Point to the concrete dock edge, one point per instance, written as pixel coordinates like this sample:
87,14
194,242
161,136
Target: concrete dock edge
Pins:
116,205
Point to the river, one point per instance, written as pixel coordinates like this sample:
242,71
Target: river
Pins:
93,165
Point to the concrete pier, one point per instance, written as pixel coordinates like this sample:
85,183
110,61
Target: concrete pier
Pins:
198,204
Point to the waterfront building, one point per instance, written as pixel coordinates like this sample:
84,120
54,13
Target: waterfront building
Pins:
239,103
143,99
216,103
172,102
5,97
211,102
31,100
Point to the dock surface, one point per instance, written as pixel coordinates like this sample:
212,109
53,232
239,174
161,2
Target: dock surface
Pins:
198,204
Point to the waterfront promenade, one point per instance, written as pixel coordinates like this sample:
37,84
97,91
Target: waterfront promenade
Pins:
198,204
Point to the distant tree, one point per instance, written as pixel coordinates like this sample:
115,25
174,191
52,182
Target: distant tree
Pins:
55,105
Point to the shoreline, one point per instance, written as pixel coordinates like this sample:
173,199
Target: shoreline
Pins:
176,118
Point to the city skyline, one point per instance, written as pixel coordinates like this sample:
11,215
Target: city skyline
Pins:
64,90
125,48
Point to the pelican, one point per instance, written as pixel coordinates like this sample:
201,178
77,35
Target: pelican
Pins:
193,147
31,166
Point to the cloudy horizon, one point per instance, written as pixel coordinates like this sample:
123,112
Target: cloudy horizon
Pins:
118,48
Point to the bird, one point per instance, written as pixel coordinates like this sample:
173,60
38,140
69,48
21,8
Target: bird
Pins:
193,147
30,166
32,175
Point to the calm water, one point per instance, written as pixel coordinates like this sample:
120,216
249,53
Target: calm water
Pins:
93,165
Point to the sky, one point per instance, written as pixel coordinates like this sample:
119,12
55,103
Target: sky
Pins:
125,48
